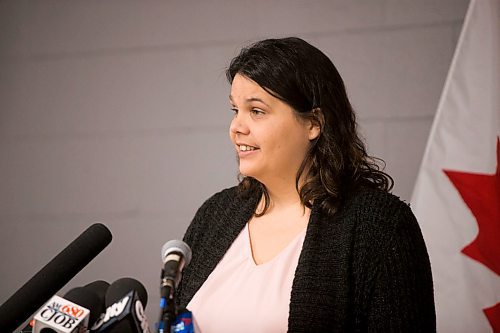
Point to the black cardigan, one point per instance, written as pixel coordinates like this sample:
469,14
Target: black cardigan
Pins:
364,270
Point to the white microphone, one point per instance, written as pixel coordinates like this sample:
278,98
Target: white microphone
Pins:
175,255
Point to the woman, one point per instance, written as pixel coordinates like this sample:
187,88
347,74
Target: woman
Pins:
310,240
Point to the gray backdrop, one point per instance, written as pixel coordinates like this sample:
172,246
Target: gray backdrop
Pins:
116,111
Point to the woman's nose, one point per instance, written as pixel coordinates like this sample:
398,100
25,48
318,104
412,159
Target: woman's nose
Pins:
239,125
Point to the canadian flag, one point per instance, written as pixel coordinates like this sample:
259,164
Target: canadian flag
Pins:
457,194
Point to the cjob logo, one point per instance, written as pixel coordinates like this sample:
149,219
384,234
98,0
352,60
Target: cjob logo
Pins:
62,313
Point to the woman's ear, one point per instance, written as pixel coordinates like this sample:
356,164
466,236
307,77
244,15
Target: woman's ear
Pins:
316,123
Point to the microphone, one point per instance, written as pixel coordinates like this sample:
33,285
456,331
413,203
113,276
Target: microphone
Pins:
53,276
64,314
99,288
90,296
175,255
125,300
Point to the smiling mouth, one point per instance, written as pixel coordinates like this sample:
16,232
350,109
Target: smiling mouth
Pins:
246,148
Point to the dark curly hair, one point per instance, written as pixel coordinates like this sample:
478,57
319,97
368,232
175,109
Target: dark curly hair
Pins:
302,76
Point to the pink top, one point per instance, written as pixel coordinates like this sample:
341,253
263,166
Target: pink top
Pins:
240,296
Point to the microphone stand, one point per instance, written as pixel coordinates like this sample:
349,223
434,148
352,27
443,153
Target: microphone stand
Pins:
167,305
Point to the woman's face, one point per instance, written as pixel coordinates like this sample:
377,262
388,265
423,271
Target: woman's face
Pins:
271,142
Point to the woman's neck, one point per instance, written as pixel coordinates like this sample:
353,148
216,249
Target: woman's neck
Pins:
282,195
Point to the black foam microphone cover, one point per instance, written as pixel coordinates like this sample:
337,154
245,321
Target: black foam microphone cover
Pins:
126,299
118,289
34,293
100,288
88,299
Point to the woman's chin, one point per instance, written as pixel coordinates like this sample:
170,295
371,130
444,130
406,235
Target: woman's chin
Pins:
247,172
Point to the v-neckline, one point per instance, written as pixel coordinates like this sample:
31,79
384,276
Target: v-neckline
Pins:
249,251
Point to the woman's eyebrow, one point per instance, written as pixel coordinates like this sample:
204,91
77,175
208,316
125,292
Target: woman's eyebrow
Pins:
256,99
250,99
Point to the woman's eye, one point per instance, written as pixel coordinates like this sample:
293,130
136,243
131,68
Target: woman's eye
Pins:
257,112
235,110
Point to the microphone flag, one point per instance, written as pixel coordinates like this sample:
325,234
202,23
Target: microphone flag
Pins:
61,316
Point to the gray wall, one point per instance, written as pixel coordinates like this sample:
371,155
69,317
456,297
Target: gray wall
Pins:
116,111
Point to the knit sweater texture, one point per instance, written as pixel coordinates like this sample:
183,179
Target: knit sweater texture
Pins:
366,269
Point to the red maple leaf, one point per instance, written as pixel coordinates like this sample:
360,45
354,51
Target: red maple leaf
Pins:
481,194
493,315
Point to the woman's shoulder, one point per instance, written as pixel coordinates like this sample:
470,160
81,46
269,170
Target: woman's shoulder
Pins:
377,202
226,194
379,212
220,211
219,200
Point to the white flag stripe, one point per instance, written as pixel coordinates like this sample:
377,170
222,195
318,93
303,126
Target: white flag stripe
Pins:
462,138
